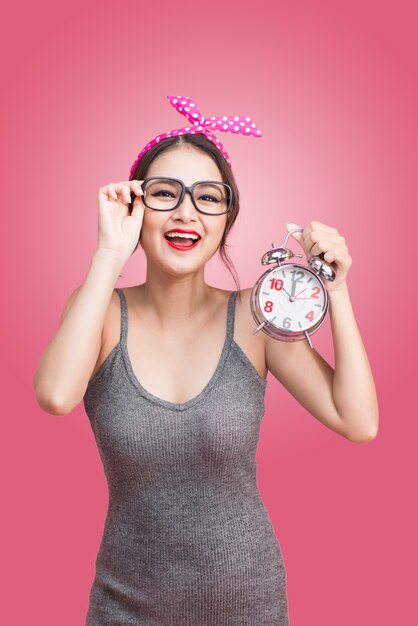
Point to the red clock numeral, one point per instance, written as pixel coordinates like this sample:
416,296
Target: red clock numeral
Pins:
310,315
276,283
315,292
268,306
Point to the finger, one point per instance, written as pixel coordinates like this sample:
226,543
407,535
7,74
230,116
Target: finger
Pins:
108,191
322,247
137,210
319,229
315,225
297,235
135,190
136,187
326,243
341,259
302,236
111,191
124,192
315,236
330,256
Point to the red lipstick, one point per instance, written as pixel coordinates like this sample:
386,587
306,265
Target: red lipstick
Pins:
182,247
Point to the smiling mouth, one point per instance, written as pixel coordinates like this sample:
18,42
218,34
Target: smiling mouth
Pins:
180,242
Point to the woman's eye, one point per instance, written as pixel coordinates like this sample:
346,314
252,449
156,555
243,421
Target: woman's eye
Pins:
210,197
159,193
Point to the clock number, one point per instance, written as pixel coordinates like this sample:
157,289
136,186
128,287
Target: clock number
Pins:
268,306
310,315
287,322
315,292
276,283
295,280
299,274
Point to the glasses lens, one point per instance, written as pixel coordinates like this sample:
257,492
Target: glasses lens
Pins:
211,197
162,194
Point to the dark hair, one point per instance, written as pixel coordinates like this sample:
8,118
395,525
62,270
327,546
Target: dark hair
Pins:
199,141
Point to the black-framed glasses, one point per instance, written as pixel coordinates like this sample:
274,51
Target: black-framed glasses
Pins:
165,194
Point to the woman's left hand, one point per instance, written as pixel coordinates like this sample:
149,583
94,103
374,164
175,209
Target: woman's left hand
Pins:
319,238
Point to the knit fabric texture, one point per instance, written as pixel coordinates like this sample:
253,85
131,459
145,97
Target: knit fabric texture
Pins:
187,540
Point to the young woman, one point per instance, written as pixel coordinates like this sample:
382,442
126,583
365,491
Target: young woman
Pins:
173,382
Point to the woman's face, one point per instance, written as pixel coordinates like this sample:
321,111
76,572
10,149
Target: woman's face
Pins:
189,165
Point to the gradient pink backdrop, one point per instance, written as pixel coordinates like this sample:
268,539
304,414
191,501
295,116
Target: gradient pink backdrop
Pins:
333,88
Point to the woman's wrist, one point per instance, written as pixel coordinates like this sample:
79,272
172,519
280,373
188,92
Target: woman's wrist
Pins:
111,257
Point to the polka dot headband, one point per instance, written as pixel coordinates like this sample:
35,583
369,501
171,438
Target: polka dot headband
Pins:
238,124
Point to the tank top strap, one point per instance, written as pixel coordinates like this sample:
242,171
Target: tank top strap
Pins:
124,314
231,316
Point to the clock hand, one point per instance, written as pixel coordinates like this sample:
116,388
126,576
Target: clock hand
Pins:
292,295
292,298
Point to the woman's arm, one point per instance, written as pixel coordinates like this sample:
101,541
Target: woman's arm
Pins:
354,390
343,399
66,364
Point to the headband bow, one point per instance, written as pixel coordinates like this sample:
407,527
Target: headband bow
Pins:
238,124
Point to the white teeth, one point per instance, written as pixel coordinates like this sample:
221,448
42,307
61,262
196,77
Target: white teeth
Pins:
186,235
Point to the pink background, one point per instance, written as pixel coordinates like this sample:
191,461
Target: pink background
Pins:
333,88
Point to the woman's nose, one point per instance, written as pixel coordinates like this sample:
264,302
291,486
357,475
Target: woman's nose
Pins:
186,206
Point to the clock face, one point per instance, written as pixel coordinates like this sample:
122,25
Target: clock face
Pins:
292,298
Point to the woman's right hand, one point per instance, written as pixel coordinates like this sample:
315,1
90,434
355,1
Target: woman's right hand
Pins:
119,231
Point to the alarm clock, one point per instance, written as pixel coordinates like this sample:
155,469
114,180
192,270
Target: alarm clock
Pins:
289,301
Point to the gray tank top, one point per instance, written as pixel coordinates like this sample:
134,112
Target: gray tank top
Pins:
187,540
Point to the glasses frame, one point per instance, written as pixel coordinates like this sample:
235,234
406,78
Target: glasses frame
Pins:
189,190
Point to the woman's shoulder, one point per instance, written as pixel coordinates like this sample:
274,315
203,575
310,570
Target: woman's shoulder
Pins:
110,331
112,324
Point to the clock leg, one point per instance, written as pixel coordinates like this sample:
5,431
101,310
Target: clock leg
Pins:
308,338
259,328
